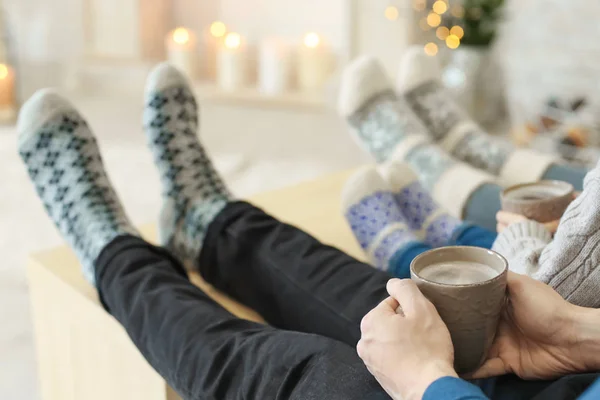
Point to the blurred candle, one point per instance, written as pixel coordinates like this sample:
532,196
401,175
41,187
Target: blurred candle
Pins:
232,63
181,48
7,87
314,63
275,65
213,40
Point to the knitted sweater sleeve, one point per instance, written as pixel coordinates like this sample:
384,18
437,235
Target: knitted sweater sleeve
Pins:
570,262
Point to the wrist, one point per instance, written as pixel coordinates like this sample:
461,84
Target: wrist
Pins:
586,330
426,376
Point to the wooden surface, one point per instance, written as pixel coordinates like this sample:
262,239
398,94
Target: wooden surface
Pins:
83,353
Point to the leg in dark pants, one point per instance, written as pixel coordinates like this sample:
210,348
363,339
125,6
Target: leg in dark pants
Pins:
203,351
294,281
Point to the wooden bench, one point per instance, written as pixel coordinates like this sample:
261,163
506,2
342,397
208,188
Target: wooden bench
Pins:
84,354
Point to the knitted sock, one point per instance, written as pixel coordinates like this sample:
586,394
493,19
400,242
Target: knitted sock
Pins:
388,129
193,191
454,130
423,214
64,164
377,223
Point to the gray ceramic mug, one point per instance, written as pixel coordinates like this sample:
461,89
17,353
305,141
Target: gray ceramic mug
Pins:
542,201
470,310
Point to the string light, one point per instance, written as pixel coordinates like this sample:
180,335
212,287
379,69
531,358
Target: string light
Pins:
452,41
440,7
218,29
233,40
181,36
3,71
391,13
434,19
424,25
442,32
312,40
458,11
419,5
431,49
457,31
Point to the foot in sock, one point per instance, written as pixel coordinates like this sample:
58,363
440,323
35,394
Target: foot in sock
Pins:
387,128
64,163
378,224
424,216
434,224
193,191
456,132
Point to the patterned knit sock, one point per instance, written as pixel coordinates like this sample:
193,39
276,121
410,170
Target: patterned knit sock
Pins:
388,129
64,164
376,221
193,191
456,132
423,214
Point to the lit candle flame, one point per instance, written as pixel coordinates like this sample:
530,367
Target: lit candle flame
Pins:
181,36
312,40
233,40
3,71
218,29
392,13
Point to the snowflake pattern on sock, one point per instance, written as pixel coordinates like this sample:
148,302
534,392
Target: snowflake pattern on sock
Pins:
371,215
441,230
193,191
64,164
429,162
433,106
482,152
382,123
390,245
416,204
418,207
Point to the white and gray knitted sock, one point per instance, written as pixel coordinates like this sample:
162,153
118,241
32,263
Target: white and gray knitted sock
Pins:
193,191
64,163
418,81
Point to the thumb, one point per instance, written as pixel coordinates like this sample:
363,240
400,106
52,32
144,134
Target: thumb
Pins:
492,367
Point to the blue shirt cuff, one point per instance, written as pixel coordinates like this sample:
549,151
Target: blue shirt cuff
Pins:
450,388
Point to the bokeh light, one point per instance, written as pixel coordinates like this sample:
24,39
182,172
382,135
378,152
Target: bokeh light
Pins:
431,49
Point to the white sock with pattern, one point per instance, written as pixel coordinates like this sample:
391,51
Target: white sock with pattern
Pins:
64,164
193,190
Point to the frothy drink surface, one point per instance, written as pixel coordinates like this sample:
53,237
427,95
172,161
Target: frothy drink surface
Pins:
458,272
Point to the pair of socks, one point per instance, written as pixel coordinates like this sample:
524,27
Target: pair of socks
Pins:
394,219
63,160
452,128
384,125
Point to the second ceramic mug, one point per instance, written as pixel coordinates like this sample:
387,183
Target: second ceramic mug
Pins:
542,201
471,311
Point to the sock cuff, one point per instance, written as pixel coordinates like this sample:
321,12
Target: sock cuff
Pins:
456,134
397,174
365,181
456,185
407,145
524,166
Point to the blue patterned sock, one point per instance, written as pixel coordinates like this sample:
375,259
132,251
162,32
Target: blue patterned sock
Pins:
423,214
64,163
375,219
193,191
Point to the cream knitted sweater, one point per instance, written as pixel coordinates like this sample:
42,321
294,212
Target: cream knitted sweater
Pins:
570,262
